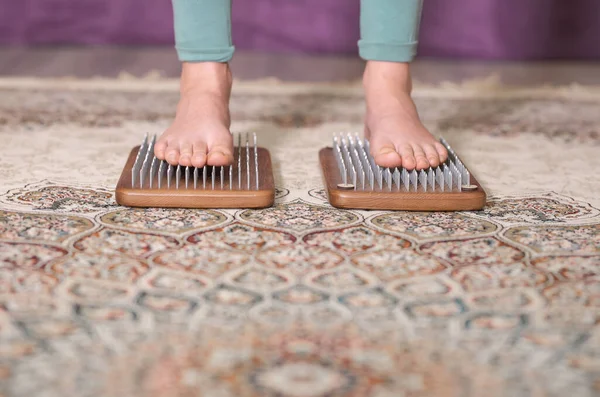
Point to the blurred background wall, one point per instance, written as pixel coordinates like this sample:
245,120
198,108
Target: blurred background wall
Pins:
480,29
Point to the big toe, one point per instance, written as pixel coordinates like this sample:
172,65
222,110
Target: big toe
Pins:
432,155
442,152
386,156
220,155
159,148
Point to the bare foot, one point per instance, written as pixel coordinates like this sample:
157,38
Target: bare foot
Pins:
392,124
200,135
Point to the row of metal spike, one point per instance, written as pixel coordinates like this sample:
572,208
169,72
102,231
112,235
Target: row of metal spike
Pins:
359,171
150,172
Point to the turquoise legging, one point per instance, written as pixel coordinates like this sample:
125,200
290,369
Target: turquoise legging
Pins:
388,29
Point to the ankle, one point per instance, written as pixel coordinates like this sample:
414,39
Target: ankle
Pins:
387,75
387,87
202,78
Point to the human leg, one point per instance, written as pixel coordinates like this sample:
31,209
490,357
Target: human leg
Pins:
389,38
199,134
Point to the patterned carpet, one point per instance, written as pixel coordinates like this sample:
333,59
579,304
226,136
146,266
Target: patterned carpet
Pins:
299,300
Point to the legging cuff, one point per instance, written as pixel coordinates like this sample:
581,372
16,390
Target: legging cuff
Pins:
205,55
387,52
203,30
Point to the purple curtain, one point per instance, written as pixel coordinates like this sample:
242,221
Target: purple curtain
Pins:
484,29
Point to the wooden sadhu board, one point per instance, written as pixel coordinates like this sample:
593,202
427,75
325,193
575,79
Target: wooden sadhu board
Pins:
149,182
353,181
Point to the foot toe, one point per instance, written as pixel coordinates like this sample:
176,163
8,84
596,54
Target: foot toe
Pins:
420,158
388,159
172,155
385,154
408,158
159,148
185,154
199,156
219,156
221,152
432,155
442,152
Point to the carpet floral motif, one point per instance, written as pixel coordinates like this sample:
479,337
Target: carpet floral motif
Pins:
536,211
52,228
300,217
174,221
581,239
53,198
301,299
434,224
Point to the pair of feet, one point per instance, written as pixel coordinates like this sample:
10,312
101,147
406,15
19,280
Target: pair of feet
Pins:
200,135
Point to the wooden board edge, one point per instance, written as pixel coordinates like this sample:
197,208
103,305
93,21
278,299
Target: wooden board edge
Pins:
208,199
